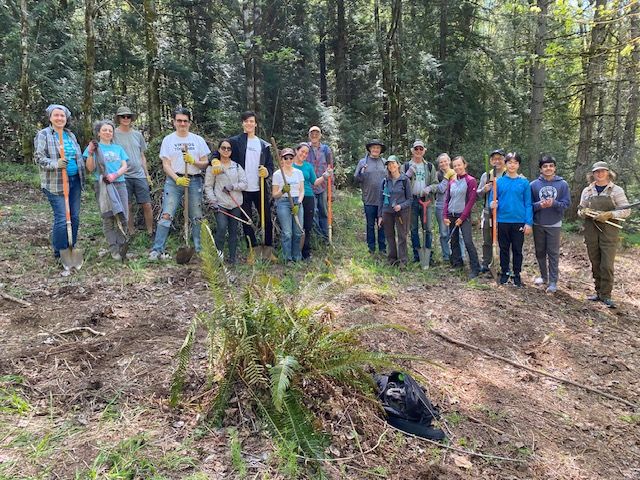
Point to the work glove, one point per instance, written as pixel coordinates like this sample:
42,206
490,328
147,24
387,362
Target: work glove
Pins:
216,167
450,174
411,171
604,217
328,172
182,181
62,162
149,181
188,158
263,172
286,188
227,188
295,210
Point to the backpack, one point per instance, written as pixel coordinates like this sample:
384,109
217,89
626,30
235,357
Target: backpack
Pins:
407,406
386,194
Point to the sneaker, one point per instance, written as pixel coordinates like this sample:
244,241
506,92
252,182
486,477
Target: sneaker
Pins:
552,288
593,298
517,281
154,255
473,275
116,256
540,281
484,269
609,303
504,278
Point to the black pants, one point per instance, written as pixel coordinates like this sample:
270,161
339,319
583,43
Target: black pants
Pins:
466,231
253,198
308,207
511,237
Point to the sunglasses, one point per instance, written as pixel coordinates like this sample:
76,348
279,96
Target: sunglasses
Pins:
288,157
227,149
125,116
181,121
418,148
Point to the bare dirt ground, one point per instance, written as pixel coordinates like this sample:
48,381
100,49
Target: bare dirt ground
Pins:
87,391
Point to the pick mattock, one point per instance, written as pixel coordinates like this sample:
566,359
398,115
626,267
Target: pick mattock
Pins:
424,252
495,252
70,257
185,252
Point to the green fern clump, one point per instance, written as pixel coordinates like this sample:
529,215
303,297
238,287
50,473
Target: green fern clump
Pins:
272,347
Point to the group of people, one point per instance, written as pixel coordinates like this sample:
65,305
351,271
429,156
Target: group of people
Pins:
398,200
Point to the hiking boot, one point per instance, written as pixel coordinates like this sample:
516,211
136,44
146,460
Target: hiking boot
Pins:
484,269
473,275
593,298
609,303
540,281
504,278
552,288
517,281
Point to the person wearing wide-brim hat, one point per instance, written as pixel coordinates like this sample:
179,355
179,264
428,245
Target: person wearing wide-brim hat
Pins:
369,173
137,176
394,209
598,204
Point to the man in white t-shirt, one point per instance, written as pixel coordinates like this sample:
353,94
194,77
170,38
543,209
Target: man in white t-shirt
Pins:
254,155
183,170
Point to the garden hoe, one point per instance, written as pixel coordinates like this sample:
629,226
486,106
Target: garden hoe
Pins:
495,253
424,252
185,252
70,257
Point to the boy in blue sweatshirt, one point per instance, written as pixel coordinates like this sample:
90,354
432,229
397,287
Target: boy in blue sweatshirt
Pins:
514,215
550,199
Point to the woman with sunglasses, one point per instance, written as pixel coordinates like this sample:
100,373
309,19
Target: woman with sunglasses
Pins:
288,183
224,183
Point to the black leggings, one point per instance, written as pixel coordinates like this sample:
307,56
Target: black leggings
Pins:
511,237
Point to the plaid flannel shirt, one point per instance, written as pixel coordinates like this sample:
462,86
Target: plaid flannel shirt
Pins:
320,163
46,145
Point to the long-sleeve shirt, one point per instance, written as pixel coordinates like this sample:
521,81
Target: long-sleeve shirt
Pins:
232,176
514,200
47,154
441,189
370,178
460,197
618,197
394,192
483,182
320,158
557,190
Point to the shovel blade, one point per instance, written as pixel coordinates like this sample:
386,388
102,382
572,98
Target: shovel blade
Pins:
493,266
425,257
71,258
264,252
184,254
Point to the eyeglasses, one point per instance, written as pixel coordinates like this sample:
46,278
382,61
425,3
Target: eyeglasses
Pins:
418,148
181,121
125,116
288,157
226,149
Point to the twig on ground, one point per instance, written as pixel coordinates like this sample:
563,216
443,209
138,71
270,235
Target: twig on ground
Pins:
534,370
81,329
480,422
344,459
11,298
355,432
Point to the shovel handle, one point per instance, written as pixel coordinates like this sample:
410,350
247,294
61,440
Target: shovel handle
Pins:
494,213
65,192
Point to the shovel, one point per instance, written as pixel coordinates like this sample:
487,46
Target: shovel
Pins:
424,252
70,257
493,266
185,252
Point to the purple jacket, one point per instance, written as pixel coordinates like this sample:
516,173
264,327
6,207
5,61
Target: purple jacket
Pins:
461,193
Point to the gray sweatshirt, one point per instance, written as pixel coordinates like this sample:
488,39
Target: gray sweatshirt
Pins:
370,178
233,177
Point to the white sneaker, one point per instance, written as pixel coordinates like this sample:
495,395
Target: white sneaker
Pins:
116,256
154,255
539,281
552,288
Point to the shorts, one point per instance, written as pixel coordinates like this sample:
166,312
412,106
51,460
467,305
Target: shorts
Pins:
138,189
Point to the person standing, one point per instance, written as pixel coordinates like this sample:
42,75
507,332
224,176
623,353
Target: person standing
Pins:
137,176
496,159
424,184
47,155
288,192
369,173
254,156
224,185
395,210
602,201
174,162
321,158
445,173
551,198
514,215
460,197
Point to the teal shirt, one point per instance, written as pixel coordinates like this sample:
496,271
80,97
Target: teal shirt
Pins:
113,157
309,177
70,154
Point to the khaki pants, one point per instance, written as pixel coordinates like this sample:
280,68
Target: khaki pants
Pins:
601,247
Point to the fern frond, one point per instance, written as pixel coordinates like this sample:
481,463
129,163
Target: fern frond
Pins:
221,400
183,355
281,375
299,426
215,272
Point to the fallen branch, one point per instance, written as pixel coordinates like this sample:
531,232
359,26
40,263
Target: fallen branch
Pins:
11,298
81,329
534,370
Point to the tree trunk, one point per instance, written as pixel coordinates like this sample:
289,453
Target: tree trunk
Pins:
538,77
595,57
340,56
89,69
250,16
629,137
153,76
387,86
322,63
25,97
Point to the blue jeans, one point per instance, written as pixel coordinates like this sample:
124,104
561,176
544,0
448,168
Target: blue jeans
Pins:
443,231
417,219
371,214
290,234
225,223
171,197
59,239
320,220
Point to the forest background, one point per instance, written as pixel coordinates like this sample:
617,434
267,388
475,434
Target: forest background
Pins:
560,77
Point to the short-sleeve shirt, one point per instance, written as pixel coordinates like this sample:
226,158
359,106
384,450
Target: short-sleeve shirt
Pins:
309,177
252,163
70,154
113,156
134,145
294,180
171,148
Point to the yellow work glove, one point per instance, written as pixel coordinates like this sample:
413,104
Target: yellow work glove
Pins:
188,158
450,174
263,172
604,217
216,167
295,210
182,181
149,181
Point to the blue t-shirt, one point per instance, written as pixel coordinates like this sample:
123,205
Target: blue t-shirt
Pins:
113,156
309,177
70,154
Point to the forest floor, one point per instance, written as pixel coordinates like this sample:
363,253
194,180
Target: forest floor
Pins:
83,405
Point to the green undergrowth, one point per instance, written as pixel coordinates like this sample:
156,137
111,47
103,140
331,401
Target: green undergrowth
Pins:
20,173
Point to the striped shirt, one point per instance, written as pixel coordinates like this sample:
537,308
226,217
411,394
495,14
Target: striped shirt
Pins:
46,156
